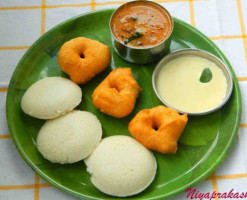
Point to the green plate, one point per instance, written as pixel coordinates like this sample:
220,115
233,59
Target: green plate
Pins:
202,147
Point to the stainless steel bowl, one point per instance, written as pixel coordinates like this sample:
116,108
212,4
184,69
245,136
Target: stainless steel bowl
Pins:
201,53
140,55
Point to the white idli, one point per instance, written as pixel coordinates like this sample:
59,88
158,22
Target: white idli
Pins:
69,138
121,166
51,97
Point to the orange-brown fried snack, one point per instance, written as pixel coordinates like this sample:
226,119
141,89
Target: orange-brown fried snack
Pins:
116,94
83,58
158,128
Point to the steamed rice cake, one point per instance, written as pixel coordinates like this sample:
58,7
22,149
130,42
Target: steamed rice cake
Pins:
121,166
51,97
69,138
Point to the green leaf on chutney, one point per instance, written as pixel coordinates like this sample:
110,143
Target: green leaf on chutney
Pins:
206,75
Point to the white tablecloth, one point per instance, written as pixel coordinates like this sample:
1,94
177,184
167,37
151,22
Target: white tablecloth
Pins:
24,21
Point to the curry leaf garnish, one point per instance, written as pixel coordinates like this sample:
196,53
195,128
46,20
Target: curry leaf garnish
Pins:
134,36
206,75
134,18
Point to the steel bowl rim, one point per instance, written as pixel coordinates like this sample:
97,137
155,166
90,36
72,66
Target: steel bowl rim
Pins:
144,48
229,83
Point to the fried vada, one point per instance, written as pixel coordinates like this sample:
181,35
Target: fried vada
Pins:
158,128
83,58
116,95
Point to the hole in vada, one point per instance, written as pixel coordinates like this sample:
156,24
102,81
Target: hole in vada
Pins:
113,86
155,126
82,55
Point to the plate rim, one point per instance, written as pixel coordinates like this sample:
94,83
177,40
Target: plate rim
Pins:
160,197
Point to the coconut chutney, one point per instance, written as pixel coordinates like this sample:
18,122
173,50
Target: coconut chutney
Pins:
178,84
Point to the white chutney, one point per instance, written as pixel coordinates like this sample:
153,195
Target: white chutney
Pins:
178,84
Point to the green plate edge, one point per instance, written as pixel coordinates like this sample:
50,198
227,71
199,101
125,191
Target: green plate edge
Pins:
171,194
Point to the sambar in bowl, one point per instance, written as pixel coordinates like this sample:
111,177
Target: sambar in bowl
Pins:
141,31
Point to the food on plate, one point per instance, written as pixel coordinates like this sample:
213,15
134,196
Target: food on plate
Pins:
179,85
69,138
121,166
83,58
141,24
158,128
116,95
51,97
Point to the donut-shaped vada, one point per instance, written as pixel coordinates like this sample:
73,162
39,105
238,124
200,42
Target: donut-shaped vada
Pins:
116,94
83,58
158,128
